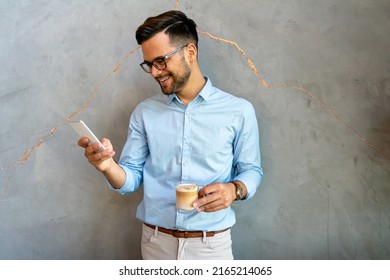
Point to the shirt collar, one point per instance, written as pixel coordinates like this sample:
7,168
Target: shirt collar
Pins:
204,93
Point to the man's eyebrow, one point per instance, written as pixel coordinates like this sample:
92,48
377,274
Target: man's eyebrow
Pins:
156,58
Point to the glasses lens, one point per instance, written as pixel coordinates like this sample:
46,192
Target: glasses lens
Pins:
159,64
146,67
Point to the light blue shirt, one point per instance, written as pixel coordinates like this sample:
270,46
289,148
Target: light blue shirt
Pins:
213,139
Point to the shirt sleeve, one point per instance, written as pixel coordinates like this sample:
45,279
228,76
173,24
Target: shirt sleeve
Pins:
246,158
134,154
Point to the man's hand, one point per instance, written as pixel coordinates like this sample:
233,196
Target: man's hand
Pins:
101,160
215,197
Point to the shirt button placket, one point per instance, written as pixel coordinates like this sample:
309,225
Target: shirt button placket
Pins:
186,160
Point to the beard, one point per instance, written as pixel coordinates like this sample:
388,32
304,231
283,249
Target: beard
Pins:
176,81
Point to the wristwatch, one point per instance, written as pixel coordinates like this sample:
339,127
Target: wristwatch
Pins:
239,190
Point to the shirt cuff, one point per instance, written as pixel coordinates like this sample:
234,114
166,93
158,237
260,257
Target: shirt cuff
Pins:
128,186
251,183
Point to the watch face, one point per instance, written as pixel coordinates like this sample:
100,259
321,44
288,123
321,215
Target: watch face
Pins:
239,192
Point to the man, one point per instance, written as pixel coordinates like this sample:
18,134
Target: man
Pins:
193,131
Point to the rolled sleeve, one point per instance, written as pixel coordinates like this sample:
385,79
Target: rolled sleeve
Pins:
130,183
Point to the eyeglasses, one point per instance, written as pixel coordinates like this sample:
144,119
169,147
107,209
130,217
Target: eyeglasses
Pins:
159,63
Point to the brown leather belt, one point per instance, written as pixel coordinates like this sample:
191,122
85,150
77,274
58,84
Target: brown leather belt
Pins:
186,234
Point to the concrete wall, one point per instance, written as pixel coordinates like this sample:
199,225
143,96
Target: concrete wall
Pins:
320,84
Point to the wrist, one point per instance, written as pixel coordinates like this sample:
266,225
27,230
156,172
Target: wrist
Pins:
240,190
108,166
115,175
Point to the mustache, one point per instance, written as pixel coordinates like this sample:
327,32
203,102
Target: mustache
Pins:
161,76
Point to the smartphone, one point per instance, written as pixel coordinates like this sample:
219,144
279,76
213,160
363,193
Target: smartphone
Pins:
83,131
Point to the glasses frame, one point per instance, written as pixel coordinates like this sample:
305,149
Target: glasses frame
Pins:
147,66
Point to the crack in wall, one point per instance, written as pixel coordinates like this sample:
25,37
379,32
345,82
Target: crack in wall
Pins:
302,90
177,5
51,131
95,91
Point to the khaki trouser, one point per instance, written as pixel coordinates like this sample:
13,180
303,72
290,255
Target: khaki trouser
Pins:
157,245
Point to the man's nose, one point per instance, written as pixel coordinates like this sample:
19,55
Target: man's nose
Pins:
154,71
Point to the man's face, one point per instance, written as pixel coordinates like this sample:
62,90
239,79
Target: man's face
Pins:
177,72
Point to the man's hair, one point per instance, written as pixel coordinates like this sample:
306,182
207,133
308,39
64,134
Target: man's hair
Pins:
180,29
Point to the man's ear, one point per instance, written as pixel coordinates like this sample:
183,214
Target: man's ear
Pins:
192,52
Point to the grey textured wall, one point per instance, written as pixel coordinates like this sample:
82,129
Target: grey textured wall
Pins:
316,71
